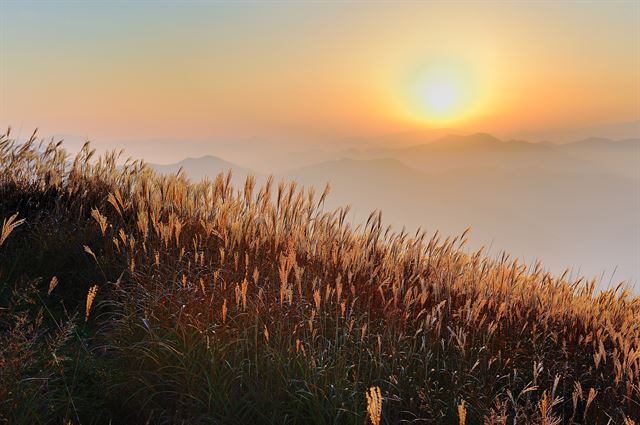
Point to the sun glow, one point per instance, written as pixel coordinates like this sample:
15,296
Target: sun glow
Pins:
441,93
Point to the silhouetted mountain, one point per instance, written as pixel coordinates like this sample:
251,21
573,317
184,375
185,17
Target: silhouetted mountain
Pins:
206,166
481,149
401,139
382,169
477,142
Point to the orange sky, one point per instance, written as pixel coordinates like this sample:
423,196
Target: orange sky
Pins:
315,71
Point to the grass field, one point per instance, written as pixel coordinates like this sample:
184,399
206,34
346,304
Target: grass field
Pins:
128,297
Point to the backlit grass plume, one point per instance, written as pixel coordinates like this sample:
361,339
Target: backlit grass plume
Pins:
8,225
374,405
91,295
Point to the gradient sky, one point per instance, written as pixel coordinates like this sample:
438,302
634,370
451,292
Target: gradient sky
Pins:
315,70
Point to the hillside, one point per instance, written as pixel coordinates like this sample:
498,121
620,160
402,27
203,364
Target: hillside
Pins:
532,212
132,297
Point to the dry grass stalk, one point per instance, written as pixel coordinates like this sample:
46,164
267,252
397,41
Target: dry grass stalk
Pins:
91,295
8,226
462,413
52,285
374,405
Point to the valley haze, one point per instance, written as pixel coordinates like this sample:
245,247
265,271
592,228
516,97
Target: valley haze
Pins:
572,206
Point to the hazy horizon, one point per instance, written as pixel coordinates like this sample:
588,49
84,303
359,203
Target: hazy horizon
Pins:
158,149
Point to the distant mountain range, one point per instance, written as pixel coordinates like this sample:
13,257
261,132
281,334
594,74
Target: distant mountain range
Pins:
571,205
206,166
468,151
455,151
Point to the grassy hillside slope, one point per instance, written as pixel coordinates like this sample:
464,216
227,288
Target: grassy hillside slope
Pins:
128,297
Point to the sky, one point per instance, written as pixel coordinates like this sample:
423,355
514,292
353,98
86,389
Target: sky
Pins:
315,71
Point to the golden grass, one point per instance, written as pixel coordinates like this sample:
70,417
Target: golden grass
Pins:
462,413
8,226
429,319
374,405
91,295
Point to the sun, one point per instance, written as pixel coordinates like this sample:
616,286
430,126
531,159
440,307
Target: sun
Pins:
440,93
442,98
443,94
